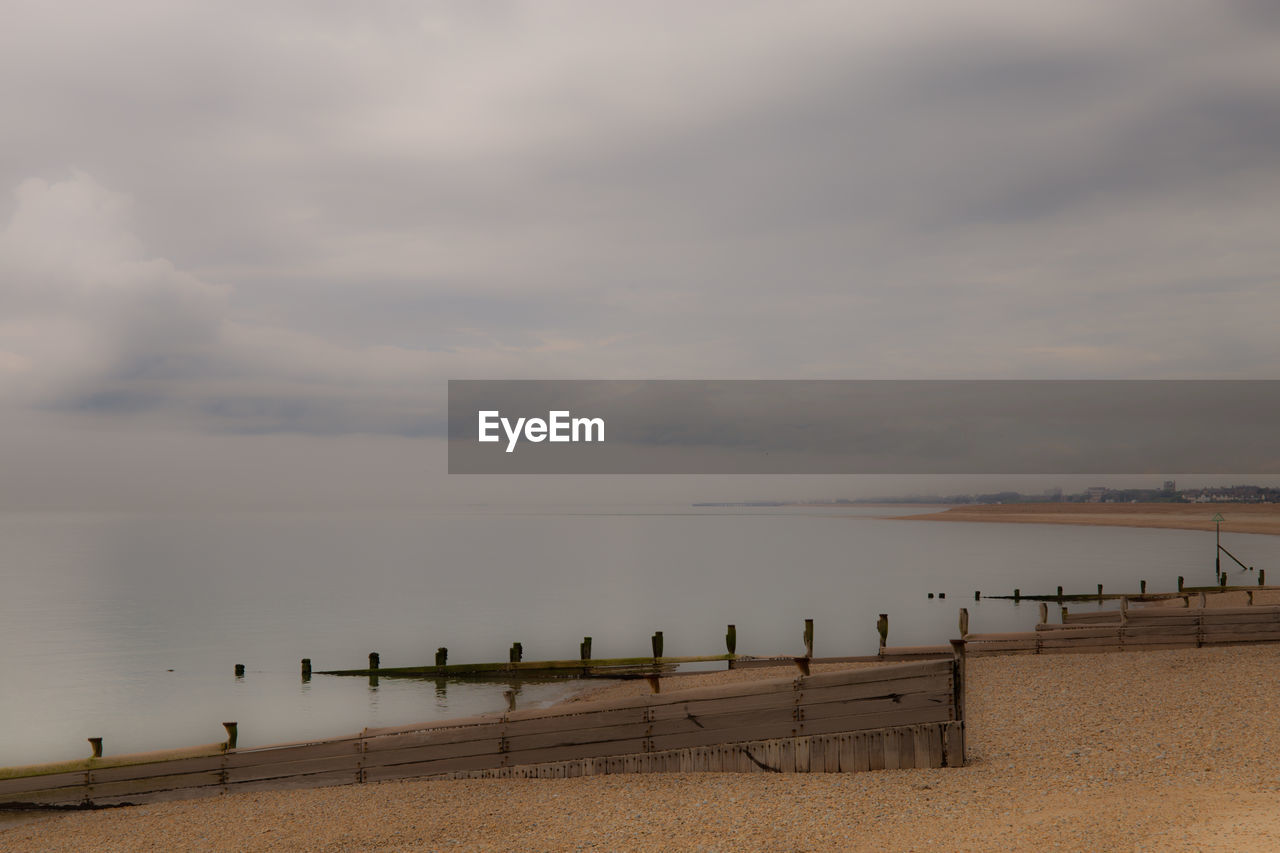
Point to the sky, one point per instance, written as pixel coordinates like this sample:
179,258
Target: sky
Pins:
243,246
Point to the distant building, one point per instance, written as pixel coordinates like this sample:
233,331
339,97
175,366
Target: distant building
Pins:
1096,494
1170,486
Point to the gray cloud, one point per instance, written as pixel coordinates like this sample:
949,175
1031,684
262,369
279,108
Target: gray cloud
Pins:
303,218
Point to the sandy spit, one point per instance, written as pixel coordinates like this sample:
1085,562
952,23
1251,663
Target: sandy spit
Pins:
1240,518
1162,750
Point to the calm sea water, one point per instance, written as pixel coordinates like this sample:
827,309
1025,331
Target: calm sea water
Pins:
129,627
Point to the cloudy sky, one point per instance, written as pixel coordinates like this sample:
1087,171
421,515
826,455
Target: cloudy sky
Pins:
244,245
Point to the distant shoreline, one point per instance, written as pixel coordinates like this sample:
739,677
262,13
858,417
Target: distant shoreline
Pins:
1238,517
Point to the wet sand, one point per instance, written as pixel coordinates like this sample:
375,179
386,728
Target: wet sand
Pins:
1162,750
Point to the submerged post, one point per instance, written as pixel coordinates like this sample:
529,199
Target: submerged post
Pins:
374,660
442,656
1059,595
510,696
1099,592
584,648
1262,577
239,670
232,734
96,743
731,639
808,638
517,652
1142,587
1222,579
964,621
306,669
1017,595
656,642
882,625
977,595
1044,613
1179,583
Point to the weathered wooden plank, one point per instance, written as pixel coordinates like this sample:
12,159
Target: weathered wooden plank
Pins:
1093,616
300,752
444,765
906,702
539,724
891,746
434,737
867,675
875,721
172,782
292,783
946,744
1257,613
1081,642
1083,632
157,769
147,797
435,725
875,749
46,782
350,763
584,750
802,754
630,731
67,795
1131,631
934,683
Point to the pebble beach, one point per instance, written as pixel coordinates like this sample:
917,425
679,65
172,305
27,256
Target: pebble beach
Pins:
1160,750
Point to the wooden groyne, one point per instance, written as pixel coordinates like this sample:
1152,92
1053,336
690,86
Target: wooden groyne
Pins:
894,716
1135,629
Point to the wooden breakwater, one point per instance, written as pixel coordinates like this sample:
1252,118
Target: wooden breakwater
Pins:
884,717
1135,628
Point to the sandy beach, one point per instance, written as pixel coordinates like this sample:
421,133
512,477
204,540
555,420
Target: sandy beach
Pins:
1240,518
1162,750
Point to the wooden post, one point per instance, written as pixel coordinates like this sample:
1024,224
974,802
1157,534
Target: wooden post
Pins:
1142,587
1017,595
442,656
517,652
1044,613
584,649
374,660
232,734
1059,595
656,642
957,649
1204,602
942,595
1222,580
510,696
306,669
977,595
96,743
1064,615
1124,610
964,621
931,595
1250,597
1179,583
1099,592
239,670
655,683
1262,577
808,638
882,625
731,639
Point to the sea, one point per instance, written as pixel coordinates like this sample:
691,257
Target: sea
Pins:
129,627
